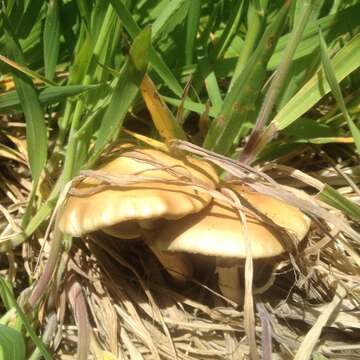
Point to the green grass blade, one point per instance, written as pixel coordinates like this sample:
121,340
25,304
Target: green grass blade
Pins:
231,28
155,59
170,16
51,39
25,70
332,197
255,28
190,105
25,24
125,92
342,22
12,345
48,95
239,103
192,24
36,133
25,322
211,83
335,89
277,84
343,63
6,294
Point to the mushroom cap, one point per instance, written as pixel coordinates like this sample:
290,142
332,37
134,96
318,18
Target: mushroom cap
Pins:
124,230
287,216
138,201
218,231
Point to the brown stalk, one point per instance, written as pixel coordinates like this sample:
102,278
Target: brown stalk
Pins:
78,305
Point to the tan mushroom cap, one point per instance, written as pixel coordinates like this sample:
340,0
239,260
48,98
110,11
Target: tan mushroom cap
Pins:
218,231
140,201
288,217
123,230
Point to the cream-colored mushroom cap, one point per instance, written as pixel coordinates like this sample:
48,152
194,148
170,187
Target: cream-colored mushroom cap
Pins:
139,201
218,231
288,217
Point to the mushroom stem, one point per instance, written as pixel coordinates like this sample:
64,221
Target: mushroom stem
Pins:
264,277
229,282
177,265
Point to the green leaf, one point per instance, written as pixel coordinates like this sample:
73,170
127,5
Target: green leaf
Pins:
125,92
47,95
12,344
51,39
335,89
239,104
36,133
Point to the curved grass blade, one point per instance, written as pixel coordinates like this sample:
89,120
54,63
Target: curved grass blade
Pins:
335,89
239,103
36,133
25,70
125,92
48,95
51,39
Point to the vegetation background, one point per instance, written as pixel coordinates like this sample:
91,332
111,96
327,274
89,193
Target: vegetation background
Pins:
273,84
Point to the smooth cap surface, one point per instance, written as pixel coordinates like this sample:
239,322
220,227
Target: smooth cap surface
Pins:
217,231
140,201
287,216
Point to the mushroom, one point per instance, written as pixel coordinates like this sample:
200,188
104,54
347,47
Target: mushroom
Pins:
130,209
286,216
218,231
